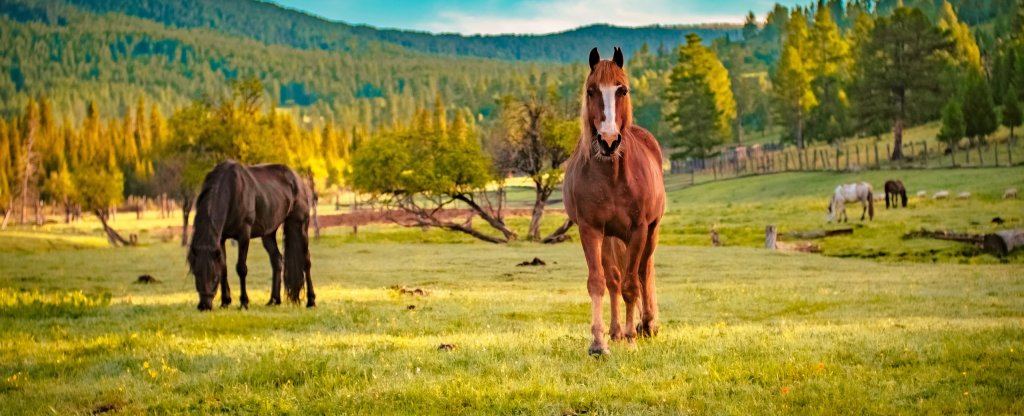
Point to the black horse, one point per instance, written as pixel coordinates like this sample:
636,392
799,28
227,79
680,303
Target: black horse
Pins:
244,202
893,188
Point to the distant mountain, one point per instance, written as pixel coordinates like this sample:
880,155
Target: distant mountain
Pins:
270,23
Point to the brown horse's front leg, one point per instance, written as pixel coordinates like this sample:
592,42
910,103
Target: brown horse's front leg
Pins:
649,321
243,270
632,288
225,290
592,240
610,257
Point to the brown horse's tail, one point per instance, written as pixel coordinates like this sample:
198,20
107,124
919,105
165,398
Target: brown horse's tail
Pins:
296,257
871,205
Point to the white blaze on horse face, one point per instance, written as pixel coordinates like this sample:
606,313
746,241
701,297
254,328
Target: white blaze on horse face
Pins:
609,129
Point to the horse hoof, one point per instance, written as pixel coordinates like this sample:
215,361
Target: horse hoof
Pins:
224,305
274,302
311,305
597,351
647,330
243,306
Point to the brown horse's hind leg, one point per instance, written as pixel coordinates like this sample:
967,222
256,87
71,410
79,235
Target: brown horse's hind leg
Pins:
649,321
592,241
307,266
277,265
613,278
243,270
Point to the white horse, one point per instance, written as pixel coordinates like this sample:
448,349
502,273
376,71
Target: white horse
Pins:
853,192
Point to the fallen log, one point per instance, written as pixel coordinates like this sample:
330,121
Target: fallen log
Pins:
804,235
1003,242
947,235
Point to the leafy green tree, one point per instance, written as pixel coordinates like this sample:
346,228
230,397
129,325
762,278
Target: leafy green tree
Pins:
701,106
750,28
422,172
1012,116
534,139
953,128
60,187
899,72
99,189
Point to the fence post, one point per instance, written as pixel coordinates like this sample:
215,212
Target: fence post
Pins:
952,156
925,144
967,159
837,158
888,153
814,160
878,163
857,148
981,160
785,160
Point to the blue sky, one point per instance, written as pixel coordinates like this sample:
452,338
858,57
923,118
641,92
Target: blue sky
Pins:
525,16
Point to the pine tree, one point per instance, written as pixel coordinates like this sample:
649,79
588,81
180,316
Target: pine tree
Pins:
793,94
828,62
701,106
979,109
1012,116
952,129
899,72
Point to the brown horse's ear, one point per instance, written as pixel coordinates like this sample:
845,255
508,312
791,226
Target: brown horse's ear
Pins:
595,57
617,58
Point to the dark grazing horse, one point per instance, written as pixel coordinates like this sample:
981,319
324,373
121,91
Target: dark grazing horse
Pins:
615,192
244,202
892,188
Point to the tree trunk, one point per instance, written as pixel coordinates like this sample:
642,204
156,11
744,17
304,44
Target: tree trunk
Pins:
67,211
186,209
897,144
560,234
497,223
542,195
113,237
7,216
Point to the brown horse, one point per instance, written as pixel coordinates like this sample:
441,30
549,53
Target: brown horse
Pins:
615,192
892,189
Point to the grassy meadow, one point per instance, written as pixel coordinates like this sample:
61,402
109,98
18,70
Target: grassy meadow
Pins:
876,325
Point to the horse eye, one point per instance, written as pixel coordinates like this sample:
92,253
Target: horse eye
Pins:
623,91
590,93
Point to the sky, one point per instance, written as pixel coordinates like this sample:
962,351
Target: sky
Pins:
470,17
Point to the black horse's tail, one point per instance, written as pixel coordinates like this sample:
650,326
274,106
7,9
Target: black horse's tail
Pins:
871,205
903,193
296,257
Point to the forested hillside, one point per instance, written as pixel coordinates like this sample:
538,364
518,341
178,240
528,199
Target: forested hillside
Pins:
272,24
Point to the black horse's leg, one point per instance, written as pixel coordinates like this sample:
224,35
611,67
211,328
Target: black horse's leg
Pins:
242,269
276,265
225,290
307,265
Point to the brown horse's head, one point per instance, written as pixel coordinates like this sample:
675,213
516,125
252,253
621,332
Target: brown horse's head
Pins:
206,262
606,109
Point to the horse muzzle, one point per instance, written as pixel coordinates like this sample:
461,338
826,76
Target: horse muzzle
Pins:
608,149
205,303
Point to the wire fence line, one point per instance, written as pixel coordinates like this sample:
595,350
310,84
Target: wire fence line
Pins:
851,157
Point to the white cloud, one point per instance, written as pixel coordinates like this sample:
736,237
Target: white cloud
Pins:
561,15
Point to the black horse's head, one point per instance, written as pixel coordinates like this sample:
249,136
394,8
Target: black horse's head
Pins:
208,266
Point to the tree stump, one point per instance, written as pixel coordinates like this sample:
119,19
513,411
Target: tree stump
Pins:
770,236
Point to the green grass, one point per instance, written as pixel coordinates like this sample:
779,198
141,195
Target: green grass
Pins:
743,330
741,208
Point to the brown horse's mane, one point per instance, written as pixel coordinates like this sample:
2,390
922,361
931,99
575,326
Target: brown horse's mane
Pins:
608,73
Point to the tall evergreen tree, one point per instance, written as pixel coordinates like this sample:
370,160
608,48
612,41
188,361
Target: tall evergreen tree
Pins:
1011,110
979,109
965,52
828,62
952,129
899,72
701,106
